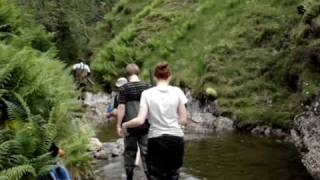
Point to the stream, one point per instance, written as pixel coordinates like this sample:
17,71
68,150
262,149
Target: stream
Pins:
226,156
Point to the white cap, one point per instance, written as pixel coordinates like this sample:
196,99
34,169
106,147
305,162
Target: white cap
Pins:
121,81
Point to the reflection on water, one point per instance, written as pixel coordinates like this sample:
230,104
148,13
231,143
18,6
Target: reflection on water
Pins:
232,156
107,133
243,157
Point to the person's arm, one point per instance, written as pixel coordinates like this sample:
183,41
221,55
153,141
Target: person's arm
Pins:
142,115
121,110
120,115
182,114
88,70
139,120
182,110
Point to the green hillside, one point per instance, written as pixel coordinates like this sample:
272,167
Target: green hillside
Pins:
260,56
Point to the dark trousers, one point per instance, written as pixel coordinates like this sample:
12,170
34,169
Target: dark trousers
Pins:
165,157
131,144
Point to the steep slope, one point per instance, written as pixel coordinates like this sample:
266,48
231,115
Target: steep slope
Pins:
258,55
72,23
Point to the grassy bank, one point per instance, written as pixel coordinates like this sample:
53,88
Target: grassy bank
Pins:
259,56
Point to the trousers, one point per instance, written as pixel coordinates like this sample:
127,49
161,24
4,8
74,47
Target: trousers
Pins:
131,144
165,157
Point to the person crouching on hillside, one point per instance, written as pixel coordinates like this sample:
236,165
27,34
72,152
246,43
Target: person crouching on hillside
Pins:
164,107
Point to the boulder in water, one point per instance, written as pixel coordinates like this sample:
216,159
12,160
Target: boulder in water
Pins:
223,124
95,144
109,150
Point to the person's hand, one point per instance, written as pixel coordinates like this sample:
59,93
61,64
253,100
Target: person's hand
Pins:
120,132
124,131
108,115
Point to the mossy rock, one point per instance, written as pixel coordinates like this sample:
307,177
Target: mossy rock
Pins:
212,93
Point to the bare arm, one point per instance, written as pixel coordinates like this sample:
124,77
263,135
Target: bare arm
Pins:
182,114
139,120
120,114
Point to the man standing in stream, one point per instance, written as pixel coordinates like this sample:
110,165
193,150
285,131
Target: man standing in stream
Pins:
129,102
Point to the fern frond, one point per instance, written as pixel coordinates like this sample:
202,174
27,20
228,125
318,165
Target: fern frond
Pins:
45,169
23,104
4,178
45,160
7,149
15,111
2,92
5,135
5,74
17,173
14,160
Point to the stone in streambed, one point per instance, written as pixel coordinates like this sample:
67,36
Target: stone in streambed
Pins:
95,144
223,124
110,150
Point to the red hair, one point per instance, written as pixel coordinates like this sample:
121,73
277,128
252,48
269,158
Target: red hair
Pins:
162,70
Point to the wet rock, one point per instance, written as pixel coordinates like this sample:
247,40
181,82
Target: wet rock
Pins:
223,124
306,137
265,130
96,105
109,150
279,133
204,117
95,144
259,130
205,123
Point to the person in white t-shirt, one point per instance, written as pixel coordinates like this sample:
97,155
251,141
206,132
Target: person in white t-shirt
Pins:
81,73
164,107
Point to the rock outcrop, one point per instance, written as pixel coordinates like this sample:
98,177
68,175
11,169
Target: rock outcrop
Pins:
204,117
306,136
96,107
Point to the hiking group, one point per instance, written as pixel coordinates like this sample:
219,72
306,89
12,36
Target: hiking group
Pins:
150,119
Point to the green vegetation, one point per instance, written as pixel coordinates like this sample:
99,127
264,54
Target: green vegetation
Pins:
115,21
71,21
258,55
259,58
39,102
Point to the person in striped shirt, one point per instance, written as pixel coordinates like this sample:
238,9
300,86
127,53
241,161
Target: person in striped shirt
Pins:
129,102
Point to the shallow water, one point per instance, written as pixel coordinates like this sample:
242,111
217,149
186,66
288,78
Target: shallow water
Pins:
229,156
243,157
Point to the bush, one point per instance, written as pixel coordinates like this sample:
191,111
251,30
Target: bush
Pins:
38,100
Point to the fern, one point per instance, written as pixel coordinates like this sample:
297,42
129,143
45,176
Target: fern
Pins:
18,172
40,99
23,105
15,111
5,135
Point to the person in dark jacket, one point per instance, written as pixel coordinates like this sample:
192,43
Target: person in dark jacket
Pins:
129,100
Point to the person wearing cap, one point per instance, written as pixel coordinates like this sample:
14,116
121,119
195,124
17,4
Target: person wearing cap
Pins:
112,110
